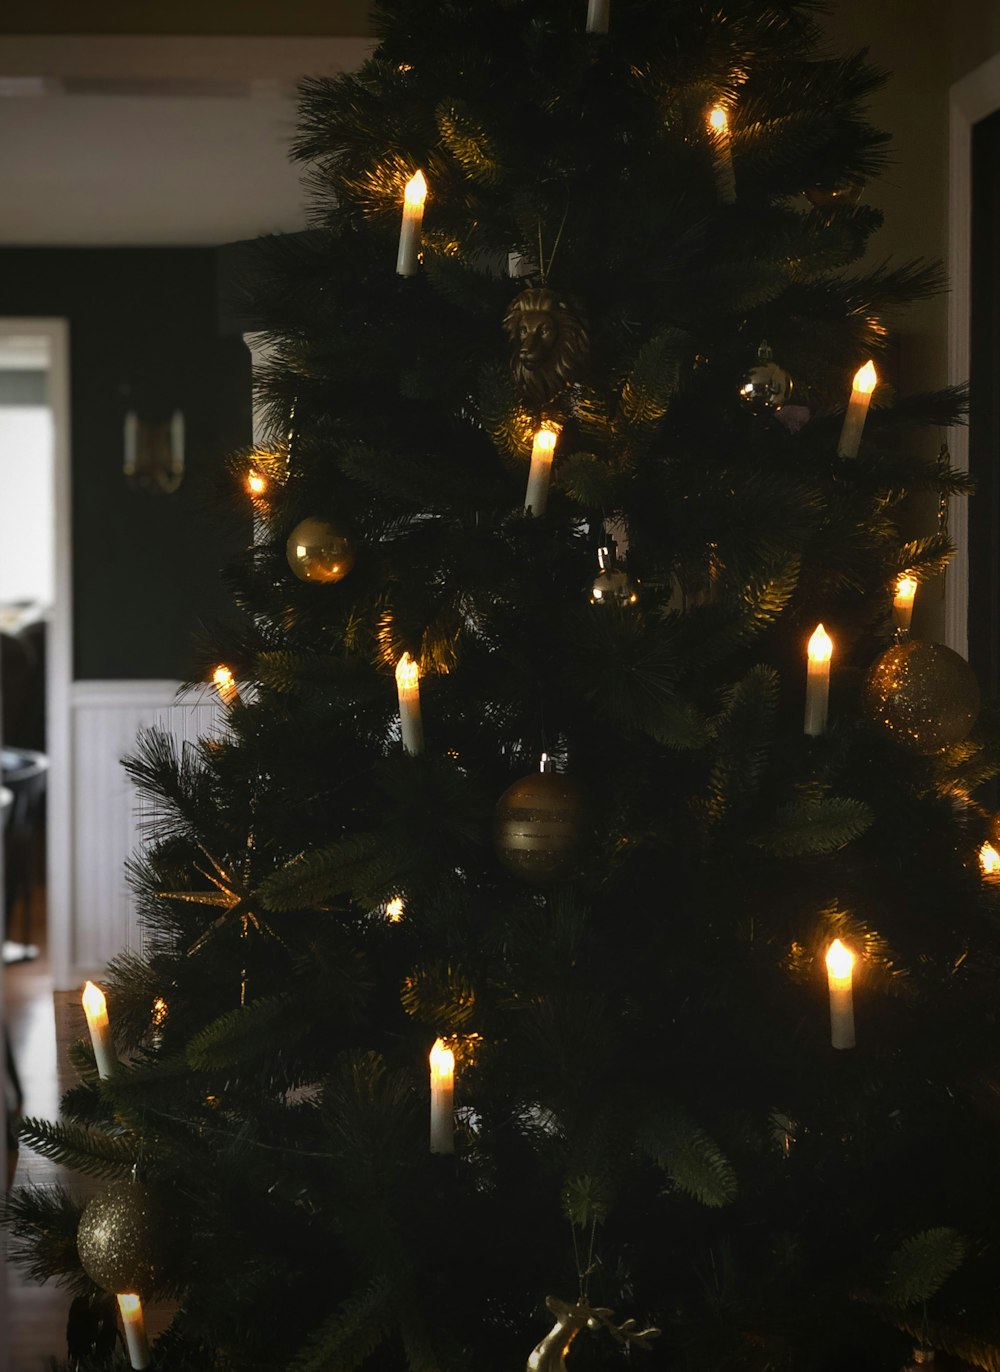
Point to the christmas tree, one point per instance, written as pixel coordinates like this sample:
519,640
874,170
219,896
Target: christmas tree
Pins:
527,766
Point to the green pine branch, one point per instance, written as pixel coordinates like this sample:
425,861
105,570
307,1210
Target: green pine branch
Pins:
80,1147
689,1157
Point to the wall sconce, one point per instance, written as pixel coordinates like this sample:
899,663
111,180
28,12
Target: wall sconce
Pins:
154,454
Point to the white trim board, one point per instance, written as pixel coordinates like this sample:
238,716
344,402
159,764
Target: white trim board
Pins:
973,98
106,717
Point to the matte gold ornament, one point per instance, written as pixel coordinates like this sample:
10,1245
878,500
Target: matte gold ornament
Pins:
549,1354
549,344
537,826
318,550
766,385
122,1237
923,694
846,192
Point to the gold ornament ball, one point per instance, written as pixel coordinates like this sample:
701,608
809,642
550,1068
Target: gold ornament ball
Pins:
121,1237
846,192
537,826
923,694
320,551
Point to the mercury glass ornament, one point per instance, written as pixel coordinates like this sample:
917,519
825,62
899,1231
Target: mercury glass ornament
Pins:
924,695
537,825
122,1237
319,550
611,585
766,385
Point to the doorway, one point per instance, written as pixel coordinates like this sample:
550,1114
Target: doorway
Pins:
35,633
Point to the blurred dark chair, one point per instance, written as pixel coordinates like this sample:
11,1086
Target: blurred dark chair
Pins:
28,731
17,680
24,773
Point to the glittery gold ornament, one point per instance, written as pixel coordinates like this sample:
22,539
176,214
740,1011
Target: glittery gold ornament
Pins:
318,550
923,694
537,826
122,1237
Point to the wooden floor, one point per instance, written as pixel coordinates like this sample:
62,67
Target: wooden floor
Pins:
42,1024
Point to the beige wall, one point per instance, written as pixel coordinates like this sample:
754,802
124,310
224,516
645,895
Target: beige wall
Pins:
257,17
926,46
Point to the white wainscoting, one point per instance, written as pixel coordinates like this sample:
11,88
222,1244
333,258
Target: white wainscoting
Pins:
106,813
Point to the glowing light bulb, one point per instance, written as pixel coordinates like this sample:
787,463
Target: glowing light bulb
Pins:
820,645
95,1005
902,603
410,719
416,190
989,860
407,673
839,960
408,256
840,973
442,1061
543,449
442,1064
135,1330
394,910
718,119
225,683
256,484
865,379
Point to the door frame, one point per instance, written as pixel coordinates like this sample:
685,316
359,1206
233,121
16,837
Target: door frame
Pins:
59,645
974,97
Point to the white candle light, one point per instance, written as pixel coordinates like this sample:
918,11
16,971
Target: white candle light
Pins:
902,602
840,975
408,686
598,14
225,683
95,1007
135,1331
257,490
409,233
442,1062
989,862
865,379
540,475
818,681
725,176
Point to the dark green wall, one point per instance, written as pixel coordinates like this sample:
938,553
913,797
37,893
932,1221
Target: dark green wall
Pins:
143,323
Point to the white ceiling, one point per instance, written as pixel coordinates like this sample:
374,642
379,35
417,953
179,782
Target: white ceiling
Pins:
107,141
